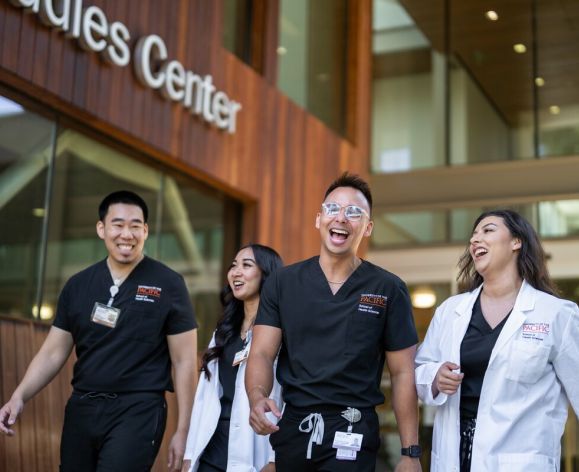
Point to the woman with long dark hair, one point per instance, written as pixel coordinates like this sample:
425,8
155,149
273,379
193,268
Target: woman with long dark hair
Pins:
500,360
220,438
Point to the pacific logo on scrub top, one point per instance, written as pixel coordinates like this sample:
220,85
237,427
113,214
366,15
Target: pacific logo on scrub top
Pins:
94,33
371,303
146,293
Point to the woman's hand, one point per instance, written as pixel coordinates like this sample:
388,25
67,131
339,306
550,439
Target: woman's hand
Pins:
447,379
269,467
186,466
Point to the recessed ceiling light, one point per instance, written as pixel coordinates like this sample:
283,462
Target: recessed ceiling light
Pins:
539,81
520,48
554,110
492,15
281,50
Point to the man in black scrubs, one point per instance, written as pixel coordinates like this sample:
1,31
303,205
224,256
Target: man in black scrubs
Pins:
130,320
334,319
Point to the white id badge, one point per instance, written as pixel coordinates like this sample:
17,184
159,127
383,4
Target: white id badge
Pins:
346,455
105,315
350,441
241,356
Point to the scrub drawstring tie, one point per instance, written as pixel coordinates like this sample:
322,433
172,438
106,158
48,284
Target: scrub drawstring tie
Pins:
314,423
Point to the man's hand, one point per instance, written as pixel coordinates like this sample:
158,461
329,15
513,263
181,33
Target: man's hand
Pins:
257,418
8,415
408,464
447,381
177,450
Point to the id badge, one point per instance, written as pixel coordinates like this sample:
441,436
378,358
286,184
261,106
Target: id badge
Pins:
346,455
105,315
349,441
241,356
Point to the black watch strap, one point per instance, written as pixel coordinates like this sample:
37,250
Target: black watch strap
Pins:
411,451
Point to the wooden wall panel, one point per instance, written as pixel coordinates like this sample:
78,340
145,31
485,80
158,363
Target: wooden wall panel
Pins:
279,161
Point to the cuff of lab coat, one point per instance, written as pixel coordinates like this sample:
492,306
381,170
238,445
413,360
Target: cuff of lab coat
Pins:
425,375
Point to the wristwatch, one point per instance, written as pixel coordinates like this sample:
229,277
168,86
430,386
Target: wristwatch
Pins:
411,451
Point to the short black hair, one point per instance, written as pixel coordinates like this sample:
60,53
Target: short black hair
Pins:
122,196
354,181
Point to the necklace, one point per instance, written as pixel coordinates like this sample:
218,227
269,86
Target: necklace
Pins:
336,283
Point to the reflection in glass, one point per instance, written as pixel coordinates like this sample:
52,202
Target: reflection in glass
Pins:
26,142
407,92
312,57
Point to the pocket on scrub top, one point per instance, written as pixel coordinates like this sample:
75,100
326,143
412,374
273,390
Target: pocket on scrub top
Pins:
141,325
527,361
525,462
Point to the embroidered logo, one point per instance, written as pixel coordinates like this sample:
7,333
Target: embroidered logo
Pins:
371,303
536,330
148,294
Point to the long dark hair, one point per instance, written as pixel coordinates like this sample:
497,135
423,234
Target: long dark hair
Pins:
229,325
531,261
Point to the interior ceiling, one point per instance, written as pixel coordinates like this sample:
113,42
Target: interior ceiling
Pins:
485,48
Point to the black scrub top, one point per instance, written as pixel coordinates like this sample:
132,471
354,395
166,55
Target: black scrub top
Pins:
133,356
475,353
333,346
228,374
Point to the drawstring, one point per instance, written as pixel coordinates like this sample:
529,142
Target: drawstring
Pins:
315,424
110,396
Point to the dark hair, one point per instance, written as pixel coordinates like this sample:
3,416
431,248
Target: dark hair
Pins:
531,261
354,181
268,260
122,196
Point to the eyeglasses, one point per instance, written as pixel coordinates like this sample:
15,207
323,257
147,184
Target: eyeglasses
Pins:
351,212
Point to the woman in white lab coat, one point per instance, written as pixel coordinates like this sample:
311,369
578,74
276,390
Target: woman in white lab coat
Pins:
220,438
501,360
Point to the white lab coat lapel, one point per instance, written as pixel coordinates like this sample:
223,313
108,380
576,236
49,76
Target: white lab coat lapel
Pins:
464,313
525,301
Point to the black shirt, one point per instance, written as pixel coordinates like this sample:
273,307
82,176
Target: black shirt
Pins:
475,353
332,350
228,374
134,355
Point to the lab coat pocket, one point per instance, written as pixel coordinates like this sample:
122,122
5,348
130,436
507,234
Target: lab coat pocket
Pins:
526,462
527,361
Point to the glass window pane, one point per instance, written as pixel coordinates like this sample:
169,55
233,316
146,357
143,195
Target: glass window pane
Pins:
559,219
193,227
237,28
411,229
312,57
408,107
26,144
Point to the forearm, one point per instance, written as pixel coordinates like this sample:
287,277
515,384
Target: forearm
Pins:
258,377
185,380
405,405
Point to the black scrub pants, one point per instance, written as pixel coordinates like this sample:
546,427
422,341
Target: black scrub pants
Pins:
290,444
107,432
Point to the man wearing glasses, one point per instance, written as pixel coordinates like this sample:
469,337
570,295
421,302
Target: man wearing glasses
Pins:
335,319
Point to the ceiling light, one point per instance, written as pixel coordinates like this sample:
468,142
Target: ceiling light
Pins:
520,48
38,212
281,51
554,110
492,15
539,81
423,297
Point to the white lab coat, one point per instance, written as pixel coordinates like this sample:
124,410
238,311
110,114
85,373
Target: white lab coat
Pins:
532,373
248,451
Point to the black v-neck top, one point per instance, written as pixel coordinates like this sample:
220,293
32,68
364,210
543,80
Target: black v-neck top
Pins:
475,353
333,345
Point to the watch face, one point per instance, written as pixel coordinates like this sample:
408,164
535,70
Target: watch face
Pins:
414,451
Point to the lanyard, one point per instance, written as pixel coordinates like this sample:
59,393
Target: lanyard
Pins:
114,289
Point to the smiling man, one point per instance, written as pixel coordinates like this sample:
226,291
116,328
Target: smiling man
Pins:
130,320
334,319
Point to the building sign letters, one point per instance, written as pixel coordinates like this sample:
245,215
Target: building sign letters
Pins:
94,32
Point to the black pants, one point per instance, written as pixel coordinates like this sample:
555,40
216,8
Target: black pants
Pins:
290,444
467,428
112,432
